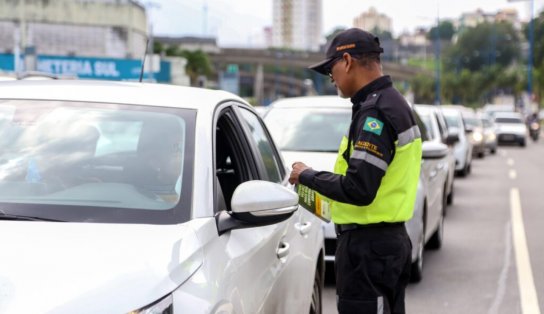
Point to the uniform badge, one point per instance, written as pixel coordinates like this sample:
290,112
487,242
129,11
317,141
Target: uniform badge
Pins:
373,125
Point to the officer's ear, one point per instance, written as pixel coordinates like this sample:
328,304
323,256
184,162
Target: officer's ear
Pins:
348,59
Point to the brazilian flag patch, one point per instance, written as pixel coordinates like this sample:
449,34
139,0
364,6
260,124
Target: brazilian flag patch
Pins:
373,125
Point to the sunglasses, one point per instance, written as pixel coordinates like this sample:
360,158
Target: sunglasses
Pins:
328,69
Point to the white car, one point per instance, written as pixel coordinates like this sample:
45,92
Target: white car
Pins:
127,197
309,129
511,128
463,148
438,132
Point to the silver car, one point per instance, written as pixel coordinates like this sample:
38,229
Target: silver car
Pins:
463,148
141,198
511,128
310,129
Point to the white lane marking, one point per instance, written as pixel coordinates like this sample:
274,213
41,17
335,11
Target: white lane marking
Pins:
512,174
501,283
527,291
510,162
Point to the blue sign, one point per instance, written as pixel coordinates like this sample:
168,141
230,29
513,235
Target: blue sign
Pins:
91,68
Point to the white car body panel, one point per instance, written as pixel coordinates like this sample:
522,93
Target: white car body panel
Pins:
462,149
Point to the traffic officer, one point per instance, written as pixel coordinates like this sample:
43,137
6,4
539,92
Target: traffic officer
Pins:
373,188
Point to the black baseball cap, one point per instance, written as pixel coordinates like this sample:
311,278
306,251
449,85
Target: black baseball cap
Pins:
354,41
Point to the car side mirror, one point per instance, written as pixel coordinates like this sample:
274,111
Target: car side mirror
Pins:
434,150
257,203
452,138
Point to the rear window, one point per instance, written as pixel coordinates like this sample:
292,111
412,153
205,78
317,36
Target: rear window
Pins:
509,120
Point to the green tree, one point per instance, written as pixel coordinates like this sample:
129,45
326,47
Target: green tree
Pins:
445,29
485,45
538,54
198,64
423,88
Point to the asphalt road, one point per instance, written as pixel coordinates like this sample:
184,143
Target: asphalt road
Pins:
493,242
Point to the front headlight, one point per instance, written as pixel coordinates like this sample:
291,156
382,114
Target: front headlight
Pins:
477,136
162,306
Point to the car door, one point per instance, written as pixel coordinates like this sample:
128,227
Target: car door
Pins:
295,279
242,266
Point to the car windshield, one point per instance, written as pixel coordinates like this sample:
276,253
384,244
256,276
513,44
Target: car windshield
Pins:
452,120
508,120
473,122
75,161
426,119
305,129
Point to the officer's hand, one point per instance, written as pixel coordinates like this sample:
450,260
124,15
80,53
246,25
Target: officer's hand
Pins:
298,167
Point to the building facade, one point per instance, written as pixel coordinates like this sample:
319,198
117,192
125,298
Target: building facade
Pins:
94,28
297,24
373,21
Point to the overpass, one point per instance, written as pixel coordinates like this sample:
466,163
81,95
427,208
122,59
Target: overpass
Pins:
270,84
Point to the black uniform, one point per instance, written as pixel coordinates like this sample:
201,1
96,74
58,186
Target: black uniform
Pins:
372,261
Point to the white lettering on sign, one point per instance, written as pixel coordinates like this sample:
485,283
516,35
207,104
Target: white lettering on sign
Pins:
72,67
107,69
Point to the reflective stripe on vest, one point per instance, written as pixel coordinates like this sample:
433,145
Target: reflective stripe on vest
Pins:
394,201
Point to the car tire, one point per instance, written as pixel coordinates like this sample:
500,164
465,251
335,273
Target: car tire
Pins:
316,304
481,155
435,242
416,271
522,143
493,150
449,199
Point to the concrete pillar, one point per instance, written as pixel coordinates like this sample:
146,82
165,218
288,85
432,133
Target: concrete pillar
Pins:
258,85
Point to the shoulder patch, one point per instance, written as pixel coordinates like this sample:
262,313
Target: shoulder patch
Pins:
373,125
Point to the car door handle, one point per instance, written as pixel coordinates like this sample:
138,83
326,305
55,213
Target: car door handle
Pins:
283,250
303,228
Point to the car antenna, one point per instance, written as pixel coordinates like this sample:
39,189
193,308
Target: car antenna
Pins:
143,61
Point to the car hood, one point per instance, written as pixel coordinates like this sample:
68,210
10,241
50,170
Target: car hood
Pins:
92,268
316,160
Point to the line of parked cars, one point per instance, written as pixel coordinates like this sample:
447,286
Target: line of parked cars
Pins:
309,129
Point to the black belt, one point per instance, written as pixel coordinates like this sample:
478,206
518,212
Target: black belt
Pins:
347,227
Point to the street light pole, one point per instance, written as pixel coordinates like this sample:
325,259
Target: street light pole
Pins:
531,47
437,98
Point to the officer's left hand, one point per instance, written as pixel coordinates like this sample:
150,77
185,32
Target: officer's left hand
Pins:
298,168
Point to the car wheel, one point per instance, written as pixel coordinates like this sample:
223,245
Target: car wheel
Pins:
493,150
449,199
522,143
435,242
316,305
481,155
416,272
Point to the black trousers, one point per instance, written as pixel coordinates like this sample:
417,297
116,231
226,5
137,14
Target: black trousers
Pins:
372,269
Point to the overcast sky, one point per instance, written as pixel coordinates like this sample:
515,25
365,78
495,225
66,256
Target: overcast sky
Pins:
240,22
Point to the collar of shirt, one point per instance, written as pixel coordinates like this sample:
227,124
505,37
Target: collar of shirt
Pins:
377,84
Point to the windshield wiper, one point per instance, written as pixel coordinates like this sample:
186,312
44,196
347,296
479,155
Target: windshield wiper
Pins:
4,216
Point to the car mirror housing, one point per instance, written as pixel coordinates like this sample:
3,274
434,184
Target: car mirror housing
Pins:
452,138
257,203
434,150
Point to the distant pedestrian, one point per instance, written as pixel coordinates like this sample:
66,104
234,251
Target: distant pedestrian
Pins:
372,190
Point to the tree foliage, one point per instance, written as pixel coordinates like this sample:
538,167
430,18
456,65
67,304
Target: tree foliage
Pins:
198,62
487,44
445,30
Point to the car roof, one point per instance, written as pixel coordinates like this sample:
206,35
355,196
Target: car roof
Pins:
512,114
312,102
115,92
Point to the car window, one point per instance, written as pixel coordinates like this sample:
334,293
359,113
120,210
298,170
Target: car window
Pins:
308,129
452,120
422,128
429,126
105,158
272,162
508,120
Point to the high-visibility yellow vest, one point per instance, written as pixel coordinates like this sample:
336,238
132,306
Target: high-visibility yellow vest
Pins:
396,195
